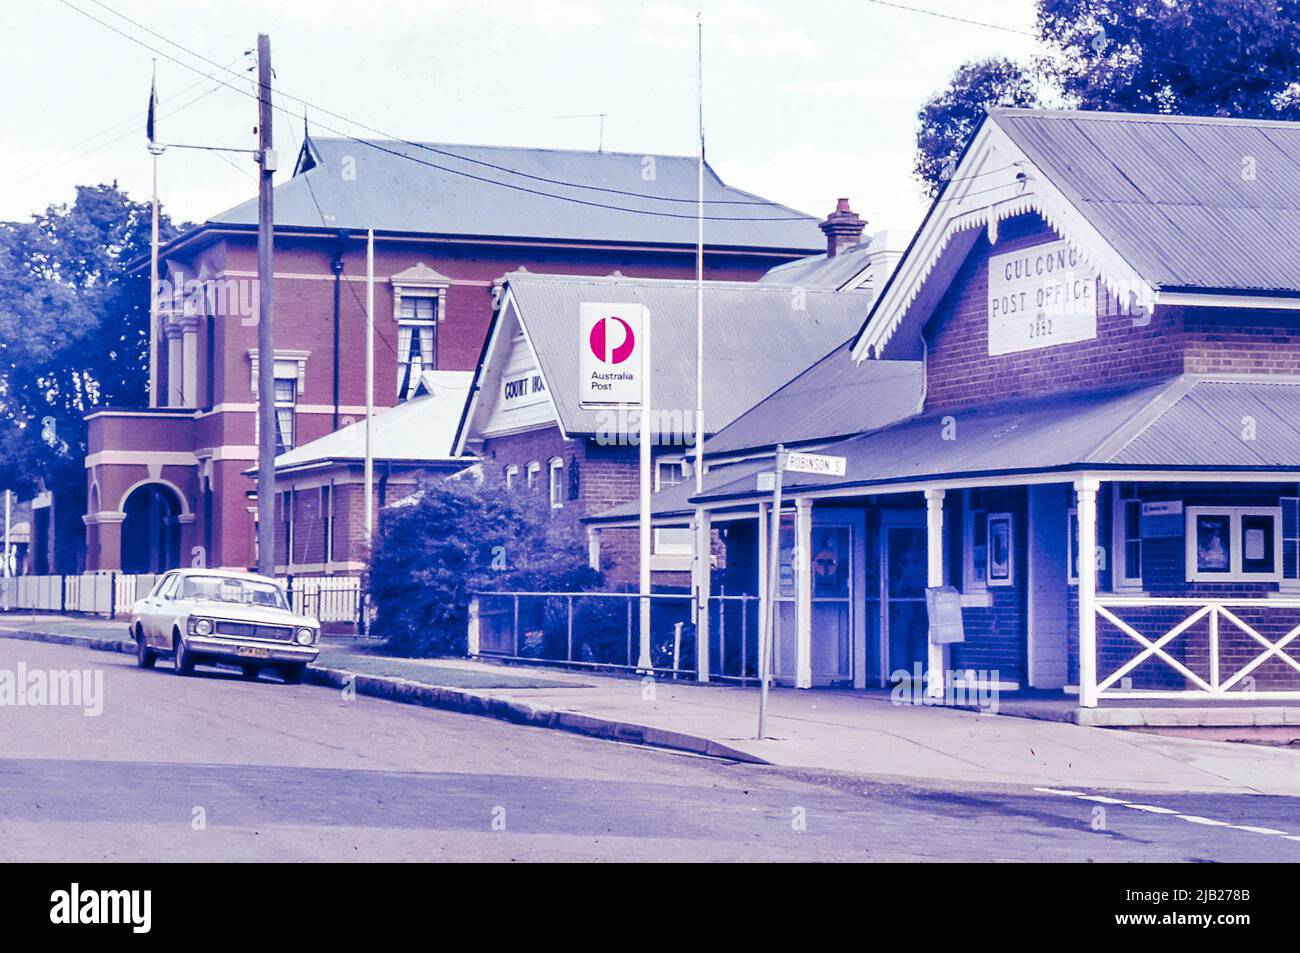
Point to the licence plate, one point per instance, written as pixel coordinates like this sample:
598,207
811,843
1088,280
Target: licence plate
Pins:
252,651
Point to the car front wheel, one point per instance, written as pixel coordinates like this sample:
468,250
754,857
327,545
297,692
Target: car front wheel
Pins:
184,661
144,656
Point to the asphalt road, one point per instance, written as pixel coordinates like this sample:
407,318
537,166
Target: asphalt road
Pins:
216,768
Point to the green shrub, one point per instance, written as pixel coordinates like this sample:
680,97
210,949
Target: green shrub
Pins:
454,538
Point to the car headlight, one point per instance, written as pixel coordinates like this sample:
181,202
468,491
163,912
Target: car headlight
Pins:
201,626
306,636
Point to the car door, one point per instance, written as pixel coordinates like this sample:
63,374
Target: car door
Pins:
154,612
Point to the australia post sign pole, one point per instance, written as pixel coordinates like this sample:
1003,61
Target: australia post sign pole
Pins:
614,373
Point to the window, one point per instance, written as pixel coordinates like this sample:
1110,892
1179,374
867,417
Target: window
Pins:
1291,542
1234,544
574,482
286,508
327,519
286,398
210,363
417,321
1000,549
669,473
1126,537
975,563
511,474
534,474
556,482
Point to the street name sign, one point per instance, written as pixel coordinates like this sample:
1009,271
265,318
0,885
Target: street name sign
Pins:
819,463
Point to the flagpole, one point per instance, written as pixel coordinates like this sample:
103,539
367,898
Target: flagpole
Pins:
703,542
154,151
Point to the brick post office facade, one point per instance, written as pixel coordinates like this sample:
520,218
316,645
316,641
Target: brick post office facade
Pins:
1098,492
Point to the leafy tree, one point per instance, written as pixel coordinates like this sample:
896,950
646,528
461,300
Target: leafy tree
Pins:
1194,57
456,537
74,334
949,118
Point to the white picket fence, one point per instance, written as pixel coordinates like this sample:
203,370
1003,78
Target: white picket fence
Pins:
329,599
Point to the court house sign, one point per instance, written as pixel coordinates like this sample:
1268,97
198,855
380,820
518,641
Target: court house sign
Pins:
1040,296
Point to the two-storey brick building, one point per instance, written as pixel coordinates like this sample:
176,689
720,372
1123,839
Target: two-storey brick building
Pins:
1106,311
168,483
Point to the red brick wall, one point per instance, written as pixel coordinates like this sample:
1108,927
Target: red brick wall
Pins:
608,476
1232,341
961,371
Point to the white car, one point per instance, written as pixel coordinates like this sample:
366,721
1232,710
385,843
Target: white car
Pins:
218,616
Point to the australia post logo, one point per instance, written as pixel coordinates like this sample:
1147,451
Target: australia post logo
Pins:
612,342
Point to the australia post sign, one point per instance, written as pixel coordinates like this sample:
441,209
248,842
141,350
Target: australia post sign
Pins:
611,347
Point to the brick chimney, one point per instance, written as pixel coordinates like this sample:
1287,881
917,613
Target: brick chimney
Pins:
842,228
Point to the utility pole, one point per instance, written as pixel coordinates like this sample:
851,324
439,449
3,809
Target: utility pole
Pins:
265,341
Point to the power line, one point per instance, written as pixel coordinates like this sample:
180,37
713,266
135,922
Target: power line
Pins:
402,155
432,149
118,138
894,5
948,16
115,126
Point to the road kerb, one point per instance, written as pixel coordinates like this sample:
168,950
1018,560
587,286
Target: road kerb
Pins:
472,702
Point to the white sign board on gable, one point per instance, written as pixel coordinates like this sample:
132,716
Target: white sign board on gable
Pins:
610,346
1039,297
523,389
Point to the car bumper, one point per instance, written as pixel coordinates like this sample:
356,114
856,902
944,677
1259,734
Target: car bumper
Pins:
228,650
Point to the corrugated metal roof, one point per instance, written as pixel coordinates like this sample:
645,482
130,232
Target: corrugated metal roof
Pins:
1187,423
420,429
818,271
756,339
497,191
834,398
1172,193
1222,424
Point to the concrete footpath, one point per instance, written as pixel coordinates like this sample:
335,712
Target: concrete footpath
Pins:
823,731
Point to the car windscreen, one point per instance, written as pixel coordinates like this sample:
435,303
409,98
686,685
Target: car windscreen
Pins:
249,592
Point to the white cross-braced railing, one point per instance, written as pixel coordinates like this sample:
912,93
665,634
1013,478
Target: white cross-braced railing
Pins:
1218,682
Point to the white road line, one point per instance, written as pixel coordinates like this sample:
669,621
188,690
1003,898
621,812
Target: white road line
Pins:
1152,808
1206,821
1155,809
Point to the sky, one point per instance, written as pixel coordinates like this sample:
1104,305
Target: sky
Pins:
804,102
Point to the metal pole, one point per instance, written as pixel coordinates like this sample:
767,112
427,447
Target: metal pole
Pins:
768,629
265,339
645,664
370,380
703,534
